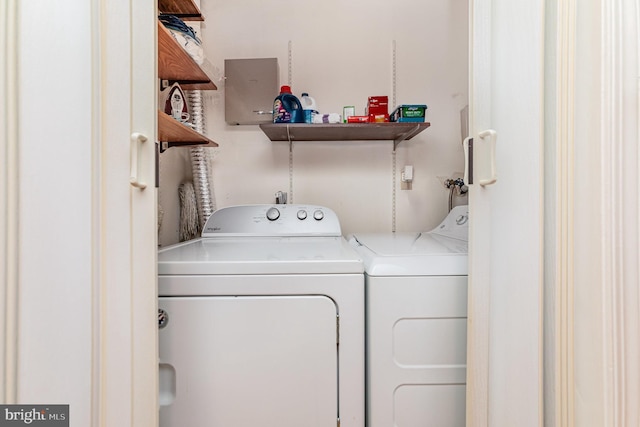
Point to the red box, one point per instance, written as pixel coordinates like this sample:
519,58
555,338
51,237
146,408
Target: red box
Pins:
378,118
358,119
378,109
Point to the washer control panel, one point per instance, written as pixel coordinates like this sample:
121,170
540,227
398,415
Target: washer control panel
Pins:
455,224
272,221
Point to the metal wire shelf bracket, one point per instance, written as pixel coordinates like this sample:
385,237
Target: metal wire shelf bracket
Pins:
404,136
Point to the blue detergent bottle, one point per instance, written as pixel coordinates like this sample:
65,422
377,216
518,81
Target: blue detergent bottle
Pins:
287,107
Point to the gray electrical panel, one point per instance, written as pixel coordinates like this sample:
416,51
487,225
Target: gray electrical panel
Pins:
251,85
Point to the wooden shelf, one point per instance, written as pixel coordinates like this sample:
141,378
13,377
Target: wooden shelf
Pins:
183,9
396,132
172,133
175,64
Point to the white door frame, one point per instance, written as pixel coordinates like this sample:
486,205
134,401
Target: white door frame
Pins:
8,200
103,312
593,229
559,260
606,221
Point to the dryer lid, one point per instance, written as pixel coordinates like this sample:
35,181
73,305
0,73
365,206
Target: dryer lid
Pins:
260,255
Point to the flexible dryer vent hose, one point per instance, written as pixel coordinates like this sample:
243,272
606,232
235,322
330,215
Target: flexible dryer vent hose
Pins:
200,160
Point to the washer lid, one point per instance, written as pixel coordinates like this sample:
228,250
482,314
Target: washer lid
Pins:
409,254
260,255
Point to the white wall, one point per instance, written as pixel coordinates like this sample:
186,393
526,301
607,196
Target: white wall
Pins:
341,54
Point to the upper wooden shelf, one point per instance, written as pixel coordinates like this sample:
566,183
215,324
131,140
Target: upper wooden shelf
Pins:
175,64
172,133
396,132
186,10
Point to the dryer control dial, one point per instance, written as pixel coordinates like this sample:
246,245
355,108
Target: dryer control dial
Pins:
272,221
273,214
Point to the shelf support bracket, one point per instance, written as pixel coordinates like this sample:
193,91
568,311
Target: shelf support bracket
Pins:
407,135
164,145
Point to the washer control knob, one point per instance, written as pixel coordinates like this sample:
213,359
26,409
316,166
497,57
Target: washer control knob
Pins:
318,215
273,214
462,219
302,214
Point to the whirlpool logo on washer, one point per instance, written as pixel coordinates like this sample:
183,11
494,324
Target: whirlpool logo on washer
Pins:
35,415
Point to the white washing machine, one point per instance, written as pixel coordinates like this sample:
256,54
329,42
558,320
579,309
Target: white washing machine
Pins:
262,322
416,324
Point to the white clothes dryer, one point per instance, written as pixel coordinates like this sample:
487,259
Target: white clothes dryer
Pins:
262,322
416,324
